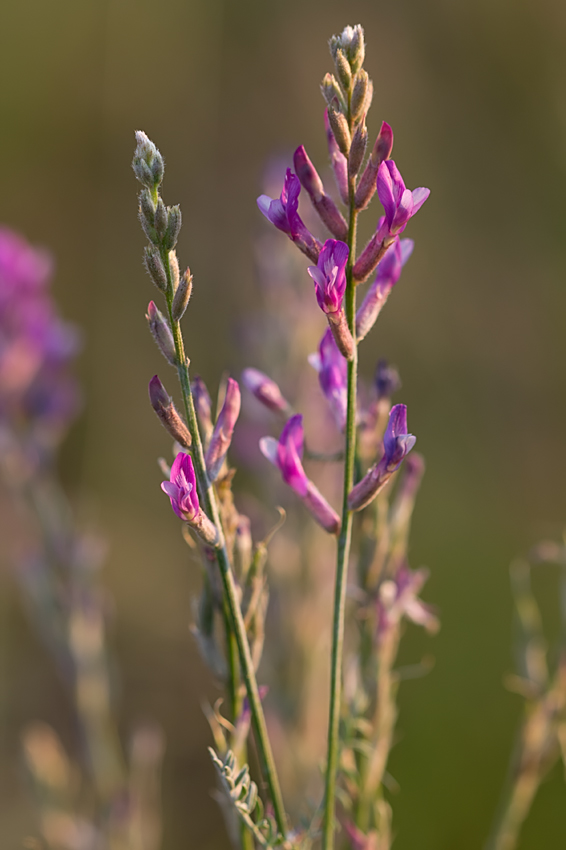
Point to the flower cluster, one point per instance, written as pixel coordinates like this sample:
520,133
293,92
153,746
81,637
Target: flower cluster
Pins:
38,393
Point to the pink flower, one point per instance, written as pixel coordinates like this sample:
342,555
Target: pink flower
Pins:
182,488
287,455
329,275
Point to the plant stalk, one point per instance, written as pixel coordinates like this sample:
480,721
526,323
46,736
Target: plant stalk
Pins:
344,542
208,496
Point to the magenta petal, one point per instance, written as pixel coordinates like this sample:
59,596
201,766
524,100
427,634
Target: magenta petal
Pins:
289,454
385,192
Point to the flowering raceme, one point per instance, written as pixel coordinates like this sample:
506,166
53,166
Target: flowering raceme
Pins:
38,394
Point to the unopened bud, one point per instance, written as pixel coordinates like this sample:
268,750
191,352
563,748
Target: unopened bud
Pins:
146,215
223,430
381,151
203,406
332,92
359,93
147,162
307,173
173,227
358,149
174,268
340,130
161,333
155,268
265,390
160,218
181,297
356,50
167,413
341,333
343,69
383,145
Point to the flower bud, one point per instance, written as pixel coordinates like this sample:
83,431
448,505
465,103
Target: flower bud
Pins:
155,268
323,203
146,215
381,151
359,93
161,333
341,333
356,50
167,413
203,405
343,69
223,430
148,162
307,173
174,268
173,227
265,390
332,92
358,148
181,297
340,130
160,218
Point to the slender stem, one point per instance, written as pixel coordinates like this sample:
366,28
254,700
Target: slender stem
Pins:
344,542
208,497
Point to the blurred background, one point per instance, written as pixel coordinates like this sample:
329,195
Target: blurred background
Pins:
476,94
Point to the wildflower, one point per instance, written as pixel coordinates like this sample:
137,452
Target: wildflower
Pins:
287,454
182,491
329,276
388,273
400,204
283,213
397,443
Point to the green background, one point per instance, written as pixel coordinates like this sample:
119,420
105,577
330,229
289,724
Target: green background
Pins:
476,94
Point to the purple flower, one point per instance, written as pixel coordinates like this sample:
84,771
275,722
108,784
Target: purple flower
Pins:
333,377
329,275
388,273
283,213
223,430
182,491
265,390
182,488
399,203
287,455
397,443
38,394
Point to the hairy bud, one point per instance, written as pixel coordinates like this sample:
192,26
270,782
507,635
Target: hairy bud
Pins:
160,218
343,69
340,130
167,413
161,333
155,268
359,94
182,296
358,148
173,227
148,162
332,92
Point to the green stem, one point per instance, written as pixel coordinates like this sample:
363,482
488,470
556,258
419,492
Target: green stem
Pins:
237,626
344,542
